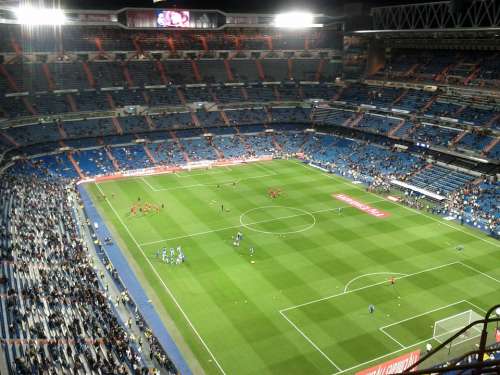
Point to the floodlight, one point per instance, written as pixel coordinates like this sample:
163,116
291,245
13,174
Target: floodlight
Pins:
295,20
40,16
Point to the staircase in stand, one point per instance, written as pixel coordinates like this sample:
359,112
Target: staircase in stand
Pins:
149,154
491,145
395,128
224,117
276,144
229,72
319,70
128,77
116,125
400,97
218,152
48,77
181,96
61,130
88,74
10,139
72,104
429,103
196,120
112,158
459,137
196,70
161,70
357,120
75,164
179,145
260,69
150,122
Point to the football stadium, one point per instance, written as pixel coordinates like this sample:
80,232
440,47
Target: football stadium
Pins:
200,190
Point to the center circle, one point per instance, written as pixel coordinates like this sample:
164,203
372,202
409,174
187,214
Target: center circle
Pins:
271,214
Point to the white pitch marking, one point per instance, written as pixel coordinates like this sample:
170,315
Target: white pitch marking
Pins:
392,338
213,184
240,225
482,273
310,341
424,313
372,274
405,207
163,283
369,286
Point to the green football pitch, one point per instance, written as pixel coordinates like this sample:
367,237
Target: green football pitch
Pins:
299,305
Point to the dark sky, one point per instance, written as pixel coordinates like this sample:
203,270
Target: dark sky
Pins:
323,6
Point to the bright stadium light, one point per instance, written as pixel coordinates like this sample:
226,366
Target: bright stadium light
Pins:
295,20
40,16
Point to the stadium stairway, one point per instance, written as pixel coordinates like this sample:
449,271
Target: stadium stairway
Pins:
72,103
179,145
10,139
491,145
429,103
149,154
395,128
229,72
150,122
161,71
127,75
357,120
218,151
48,77
116,125
112,158
319,69
224,117
196,120
196,70
400,97
88,74
260,69
276,144
181,96
459,137
244,93
492,120
75,165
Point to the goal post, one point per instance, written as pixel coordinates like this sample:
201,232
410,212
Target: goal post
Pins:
447,327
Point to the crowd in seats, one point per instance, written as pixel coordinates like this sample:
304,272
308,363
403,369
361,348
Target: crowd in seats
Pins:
55,318
478,204
377,123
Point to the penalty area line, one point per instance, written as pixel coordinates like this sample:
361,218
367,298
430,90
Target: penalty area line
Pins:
163,283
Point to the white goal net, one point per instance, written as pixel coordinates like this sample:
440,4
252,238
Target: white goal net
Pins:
447,327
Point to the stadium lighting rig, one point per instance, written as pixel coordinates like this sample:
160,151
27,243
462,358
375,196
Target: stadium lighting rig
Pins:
295,20
31,16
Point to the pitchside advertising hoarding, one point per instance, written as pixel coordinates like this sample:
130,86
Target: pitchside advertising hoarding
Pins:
394,366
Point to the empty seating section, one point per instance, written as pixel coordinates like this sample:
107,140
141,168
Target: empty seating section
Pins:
212,71
275,70
228,94
143,73
210,119
198,149
134,124
180,71
305,69
244,70
201,94
107,74
440,180
378,124
301,115
89,128
433,135
94,162
473,141
163,97
247,116
131,157
34,134
260,94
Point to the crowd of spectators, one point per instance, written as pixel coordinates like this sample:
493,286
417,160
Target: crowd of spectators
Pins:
57,317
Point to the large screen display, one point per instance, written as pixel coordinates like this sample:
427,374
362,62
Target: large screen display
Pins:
173,18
